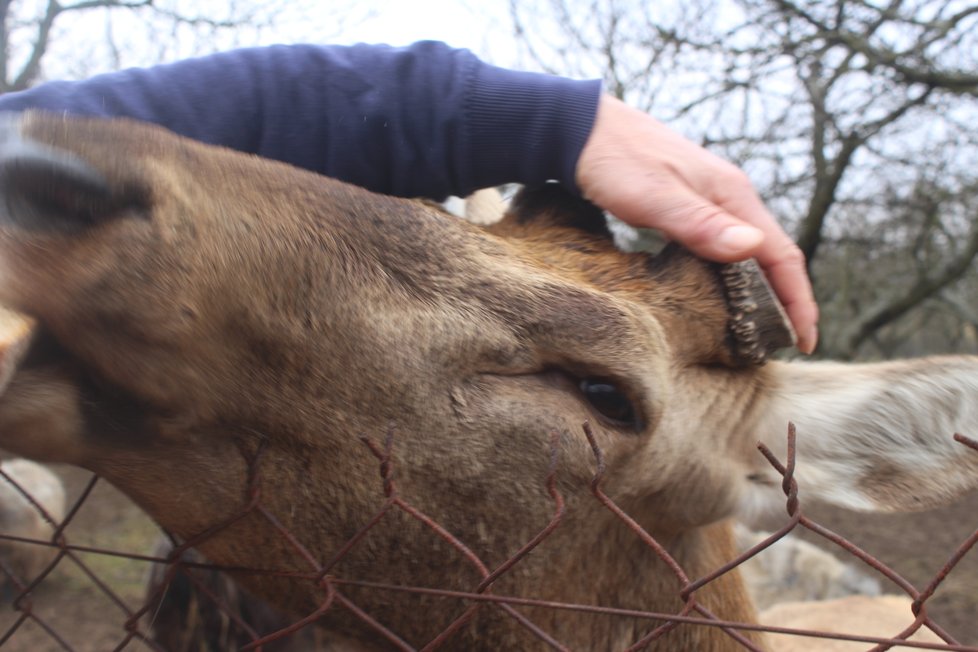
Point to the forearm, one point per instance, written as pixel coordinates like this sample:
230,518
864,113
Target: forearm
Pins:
420,121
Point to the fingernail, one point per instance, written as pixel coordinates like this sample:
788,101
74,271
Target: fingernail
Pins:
739,239
811,340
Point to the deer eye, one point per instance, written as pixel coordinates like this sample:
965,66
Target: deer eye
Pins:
610,402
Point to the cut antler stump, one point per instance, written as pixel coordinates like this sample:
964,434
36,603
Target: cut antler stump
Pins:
758,324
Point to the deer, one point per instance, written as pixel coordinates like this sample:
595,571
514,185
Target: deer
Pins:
879,616
27,518
209,328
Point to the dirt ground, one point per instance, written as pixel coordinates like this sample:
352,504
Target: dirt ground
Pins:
73,609
917,546
72,612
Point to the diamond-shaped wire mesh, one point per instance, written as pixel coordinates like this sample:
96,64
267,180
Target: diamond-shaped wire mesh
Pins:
215,614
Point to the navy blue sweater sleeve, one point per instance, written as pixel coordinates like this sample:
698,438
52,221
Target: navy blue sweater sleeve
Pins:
424,120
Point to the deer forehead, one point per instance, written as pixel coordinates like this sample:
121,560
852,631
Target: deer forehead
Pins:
206,281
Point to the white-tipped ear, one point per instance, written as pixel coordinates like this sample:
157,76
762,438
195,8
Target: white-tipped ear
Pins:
876,437
485,206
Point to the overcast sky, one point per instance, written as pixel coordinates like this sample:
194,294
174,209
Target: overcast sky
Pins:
77,49
457,23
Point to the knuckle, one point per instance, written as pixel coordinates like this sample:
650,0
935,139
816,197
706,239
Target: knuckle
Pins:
703,222
738,178
730,177
792,255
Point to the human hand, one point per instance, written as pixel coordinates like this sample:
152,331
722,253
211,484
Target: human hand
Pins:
649,176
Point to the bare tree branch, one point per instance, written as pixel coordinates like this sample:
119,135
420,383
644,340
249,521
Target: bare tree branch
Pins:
31,69
4,39
965,311
889,309
835,108
32,32
111,4
955,81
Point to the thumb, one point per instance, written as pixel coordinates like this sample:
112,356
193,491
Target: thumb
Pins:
702,227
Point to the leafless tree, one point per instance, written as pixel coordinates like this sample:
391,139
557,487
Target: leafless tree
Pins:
855,119
42,39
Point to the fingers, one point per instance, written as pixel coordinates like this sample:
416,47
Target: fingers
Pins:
782,261
701,226
649,176
712,232
785,271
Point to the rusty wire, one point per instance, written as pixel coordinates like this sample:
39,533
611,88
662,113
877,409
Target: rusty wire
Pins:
481,596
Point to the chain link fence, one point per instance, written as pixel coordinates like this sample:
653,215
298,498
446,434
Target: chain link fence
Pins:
217,615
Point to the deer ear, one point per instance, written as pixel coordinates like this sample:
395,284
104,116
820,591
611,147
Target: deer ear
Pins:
757,323
552,204
52,190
